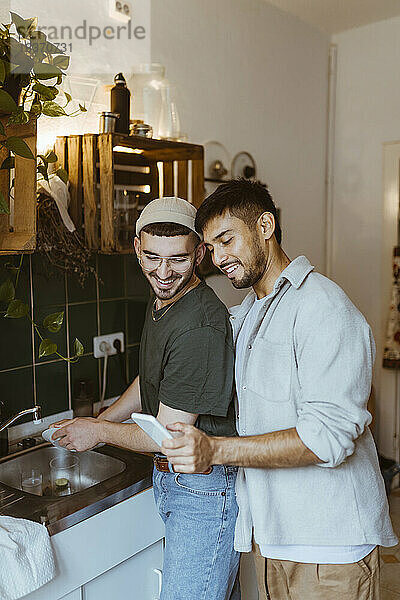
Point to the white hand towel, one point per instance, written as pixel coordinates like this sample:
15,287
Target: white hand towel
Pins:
26,557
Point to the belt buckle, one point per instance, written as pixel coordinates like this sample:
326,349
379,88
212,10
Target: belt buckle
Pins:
161,464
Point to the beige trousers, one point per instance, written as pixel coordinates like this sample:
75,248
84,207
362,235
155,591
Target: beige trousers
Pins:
289,580
259,563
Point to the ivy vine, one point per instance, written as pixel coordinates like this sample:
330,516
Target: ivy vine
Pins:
17,309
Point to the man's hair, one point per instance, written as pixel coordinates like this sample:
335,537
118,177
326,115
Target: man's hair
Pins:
244,199
169,230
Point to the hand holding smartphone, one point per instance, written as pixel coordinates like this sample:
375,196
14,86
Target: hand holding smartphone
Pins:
152,427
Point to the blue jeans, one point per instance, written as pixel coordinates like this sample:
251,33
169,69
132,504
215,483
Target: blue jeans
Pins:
199,512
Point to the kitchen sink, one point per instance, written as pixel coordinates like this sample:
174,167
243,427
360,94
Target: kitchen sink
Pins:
94,467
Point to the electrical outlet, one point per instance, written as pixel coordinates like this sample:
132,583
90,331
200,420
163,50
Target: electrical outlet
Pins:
109,339
121,10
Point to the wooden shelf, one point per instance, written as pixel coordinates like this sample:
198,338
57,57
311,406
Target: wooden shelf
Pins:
100,164
18,230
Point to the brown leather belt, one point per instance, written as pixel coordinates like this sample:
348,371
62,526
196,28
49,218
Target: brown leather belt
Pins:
161,464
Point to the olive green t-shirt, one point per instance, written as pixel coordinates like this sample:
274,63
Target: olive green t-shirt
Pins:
187,360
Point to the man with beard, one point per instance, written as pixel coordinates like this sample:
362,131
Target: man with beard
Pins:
310,489
185,373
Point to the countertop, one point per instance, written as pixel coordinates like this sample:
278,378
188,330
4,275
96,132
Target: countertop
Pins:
60,513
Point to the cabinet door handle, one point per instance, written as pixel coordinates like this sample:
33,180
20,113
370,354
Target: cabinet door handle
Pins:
158,572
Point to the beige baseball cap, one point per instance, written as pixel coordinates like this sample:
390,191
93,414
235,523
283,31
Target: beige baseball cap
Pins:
168,210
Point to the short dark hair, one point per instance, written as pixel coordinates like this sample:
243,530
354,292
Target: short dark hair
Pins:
169,230
244,199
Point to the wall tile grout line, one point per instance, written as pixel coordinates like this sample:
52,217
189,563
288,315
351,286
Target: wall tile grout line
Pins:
127,375
82,302
137,298
32,331
68,341
98,320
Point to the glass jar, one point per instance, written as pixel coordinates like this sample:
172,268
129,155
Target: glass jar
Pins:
146,84
126,205
169,126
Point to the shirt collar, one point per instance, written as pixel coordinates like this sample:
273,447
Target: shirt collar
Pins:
295,273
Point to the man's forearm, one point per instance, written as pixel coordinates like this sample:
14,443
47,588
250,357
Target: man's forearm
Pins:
127,403
126,435
272,450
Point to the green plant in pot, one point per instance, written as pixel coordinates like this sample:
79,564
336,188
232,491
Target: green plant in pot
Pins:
32,70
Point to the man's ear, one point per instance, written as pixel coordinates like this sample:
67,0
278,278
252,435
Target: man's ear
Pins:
200,252
267,224
136,243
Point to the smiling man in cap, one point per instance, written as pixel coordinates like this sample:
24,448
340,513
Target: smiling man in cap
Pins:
185,374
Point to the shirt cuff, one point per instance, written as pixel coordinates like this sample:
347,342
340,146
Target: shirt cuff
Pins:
325,447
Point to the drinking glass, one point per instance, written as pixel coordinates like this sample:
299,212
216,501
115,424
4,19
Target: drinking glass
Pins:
65,475
32,481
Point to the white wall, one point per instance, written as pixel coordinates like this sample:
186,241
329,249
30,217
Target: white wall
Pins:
368,114
254,78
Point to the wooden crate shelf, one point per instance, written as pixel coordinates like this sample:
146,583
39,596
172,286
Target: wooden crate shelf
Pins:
100,165
18,230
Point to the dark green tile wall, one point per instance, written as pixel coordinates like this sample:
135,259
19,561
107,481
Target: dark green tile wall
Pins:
114,301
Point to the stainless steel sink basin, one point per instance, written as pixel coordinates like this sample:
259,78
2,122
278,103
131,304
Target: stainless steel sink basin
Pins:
94,467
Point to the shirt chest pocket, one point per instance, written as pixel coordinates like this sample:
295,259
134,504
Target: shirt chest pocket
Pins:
269,370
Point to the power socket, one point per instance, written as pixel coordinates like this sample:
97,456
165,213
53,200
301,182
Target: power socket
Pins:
121,10
109,339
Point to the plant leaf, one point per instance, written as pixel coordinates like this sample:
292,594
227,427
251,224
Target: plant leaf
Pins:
7,291
17,309
54,322
78,348
23,26
42,169
19,117
4,208
45,70
2,72
46,92
11,267
68,97
52,109
62,174
41,46
51,157
62,62
19,57
8,163
83,109
19,147
2,130
36,106
47,347
7,103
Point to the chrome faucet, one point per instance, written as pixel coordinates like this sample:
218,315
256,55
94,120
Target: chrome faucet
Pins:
35,410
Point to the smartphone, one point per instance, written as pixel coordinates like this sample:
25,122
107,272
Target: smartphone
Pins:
152,427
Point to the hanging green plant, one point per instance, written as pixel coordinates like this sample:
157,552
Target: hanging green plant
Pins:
17,309
31,73
27,60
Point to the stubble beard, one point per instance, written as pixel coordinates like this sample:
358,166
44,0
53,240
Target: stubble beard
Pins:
169,294
252,273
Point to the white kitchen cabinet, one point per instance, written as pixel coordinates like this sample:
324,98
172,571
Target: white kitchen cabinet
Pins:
134,579
107,546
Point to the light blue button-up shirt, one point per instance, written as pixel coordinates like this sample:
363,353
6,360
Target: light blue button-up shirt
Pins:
308,365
